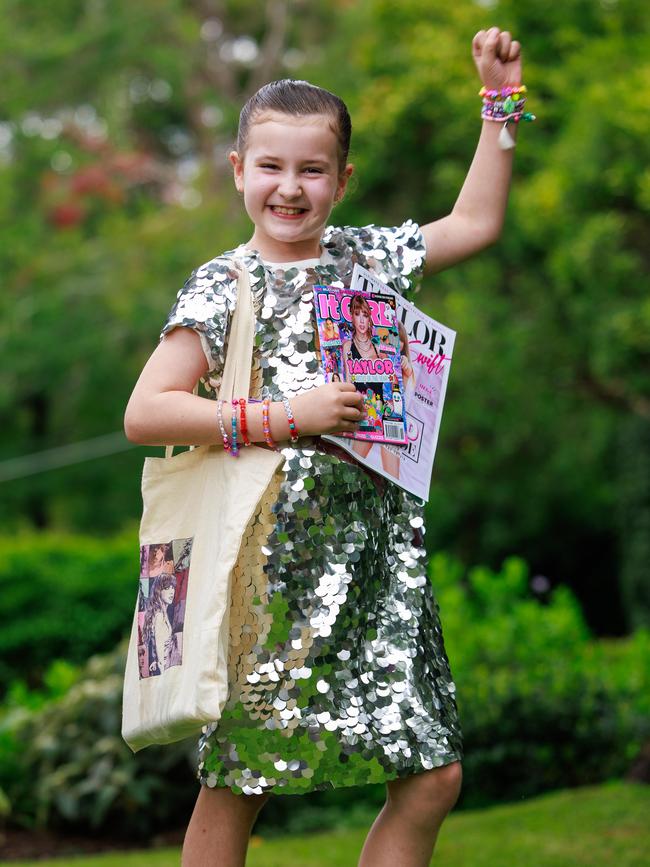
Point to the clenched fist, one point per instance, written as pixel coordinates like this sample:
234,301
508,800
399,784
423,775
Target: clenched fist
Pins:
497,57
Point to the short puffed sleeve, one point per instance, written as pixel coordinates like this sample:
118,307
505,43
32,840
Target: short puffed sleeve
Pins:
205,303
396,254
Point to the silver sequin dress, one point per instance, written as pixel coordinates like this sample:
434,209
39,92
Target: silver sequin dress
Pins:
338,670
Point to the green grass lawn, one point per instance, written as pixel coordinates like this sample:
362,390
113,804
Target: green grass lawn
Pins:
599,826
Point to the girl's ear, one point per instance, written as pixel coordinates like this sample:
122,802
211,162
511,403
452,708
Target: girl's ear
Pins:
344,177
238,170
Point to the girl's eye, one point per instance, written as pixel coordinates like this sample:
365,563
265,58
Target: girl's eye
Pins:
314,170
268,166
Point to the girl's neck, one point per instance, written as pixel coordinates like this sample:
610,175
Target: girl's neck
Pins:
280,251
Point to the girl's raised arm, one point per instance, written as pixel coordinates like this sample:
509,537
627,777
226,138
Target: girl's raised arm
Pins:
476,220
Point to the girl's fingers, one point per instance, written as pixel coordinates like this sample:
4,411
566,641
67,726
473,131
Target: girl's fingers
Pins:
352,421
490,44
351,398
477,43
515,50
503,46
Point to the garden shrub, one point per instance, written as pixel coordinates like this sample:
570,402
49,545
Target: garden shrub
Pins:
63,597
65,765
542,705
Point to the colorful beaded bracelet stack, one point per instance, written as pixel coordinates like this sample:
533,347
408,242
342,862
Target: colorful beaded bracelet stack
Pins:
266,424
243,422
502,104
505,105
226,441
294,433
234,449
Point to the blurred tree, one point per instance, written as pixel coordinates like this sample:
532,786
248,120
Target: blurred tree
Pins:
553,350
116,119
114,128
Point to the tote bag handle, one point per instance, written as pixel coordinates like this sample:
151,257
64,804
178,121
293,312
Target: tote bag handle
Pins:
239,354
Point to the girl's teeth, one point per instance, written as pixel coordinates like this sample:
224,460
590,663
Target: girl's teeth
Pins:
288,210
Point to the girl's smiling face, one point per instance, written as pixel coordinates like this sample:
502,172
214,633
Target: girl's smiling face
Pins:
290,178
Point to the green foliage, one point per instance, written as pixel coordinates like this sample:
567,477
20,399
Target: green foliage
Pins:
114,185
64,597
57,680
552,359
67,765
634,519
542,706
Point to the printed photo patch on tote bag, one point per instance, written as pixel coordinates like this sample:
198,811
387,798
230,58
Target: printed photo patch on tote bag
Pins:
164,568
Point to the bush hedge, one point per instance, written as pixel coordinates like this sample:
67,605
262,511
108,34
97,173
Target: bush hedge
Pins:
63,597
88,779
542,706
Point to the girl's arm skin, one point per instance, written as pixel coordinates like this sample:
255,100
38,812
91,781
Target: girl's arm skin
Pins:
477,218
163,411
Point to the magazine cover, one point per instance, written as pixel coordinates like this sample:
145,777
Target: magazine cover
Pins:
359,343
426,348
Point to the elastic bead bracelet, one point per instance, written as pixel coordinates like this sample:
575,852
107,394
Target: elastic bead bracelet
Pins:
243,421
226,441
516,91
266,424
294,433
505,105
234,451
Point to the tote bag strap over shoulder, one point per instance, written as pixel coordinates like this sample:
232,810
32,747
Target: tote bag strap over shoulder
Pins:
239,353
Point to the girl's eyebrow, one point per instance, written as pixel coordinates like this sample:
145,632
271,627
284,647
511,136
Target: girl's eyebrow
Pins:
321,161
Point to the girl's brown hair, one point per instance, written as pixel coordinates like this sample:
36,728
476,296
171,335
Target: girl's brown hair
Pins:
297,98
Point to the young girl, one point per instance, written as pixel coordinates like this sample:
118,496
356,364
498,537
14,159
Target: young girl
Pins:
348,681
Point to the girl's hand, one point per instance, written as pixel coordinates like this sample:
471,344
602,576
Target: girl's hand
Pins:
497,57
330,408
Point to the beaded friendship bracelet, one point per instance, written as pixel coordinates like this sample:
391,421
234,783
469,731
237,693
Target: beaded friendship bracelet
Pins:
266,424
505,105
234,449
226,441
231,444
294,433
243,421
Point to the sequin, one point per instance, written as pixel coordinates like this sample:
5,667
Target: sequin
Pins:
337,666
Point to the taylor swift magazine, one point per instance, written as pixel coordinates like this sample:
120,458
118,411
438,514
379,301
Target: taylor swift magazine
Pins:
426,350
359,343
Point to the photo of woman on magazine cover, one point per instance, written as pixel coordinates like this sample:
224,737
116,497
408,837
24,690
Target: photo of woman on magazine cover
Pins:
384,452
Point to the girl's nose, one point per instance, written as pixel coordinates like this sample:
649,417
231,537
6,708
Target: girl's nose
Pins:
289,186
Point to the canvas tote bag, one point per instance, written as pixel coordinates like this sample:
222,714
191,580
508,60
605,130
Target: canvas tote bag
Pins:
198,507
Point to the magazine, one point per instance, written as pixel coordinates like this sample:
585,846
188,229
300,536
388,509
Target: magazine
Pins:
426,348
359,343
